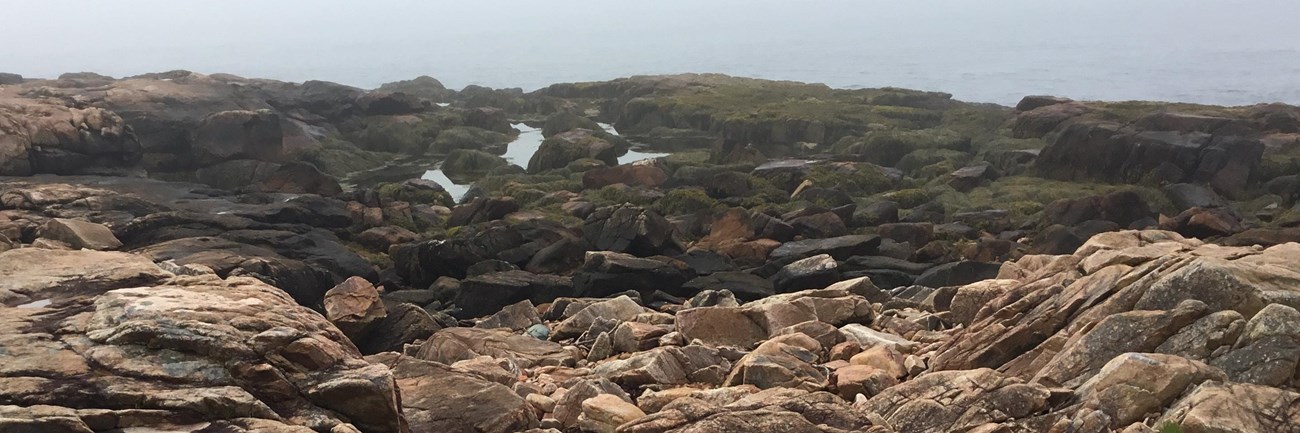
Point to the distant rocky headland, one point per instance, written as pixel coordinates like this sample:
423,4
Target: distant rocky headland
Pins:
182,252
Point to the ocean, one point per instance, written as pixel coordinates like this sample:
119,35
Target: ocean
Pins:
1230,52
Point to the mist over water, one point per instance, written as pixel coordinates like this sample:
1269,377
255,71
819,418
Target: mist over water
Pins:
1213,51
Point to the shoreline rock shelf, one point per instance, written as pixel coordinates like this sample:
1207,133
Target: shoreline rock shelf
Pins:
207,253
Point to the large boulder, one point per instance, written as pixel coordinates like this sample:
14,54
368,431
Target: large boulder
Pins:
80,234
787,361
354,306
561,149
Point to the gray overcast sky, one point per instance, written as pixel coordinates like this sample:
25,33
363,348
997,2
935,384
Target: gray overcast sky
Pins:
982,50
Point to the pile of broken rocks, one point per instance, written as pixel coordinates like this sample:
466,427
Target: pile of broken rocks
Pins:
1136,331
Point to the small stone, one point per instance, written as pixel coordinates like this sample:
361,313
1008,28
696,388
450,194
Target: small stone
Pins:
538,331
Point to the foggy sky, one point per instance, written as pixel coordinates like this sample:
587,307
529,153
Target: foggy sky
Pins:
1212,51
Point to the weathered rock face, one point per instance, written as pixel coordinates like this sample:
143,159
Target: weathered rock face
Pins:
1125,305
136,346
956,400
1218,407
48,137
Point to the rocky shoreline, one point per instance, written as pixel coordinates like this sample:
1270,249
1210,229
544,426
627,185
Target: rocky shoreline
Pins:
183,252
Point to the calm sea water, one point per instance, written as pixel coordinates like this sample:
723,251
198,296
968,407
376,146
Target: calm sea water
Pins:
519,151
1213,51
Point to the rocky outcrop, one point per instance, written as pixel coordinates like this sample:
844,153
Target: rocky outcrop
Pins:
139,346
1162,147
47,136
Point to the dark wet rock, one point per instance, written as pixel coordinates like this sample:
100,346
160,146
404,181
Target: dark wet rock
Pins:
481,295
958,273
745,286
823,196
606,273
1125,208
706,262
841,247
535,244
914,234
490,266
931,212
630,229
